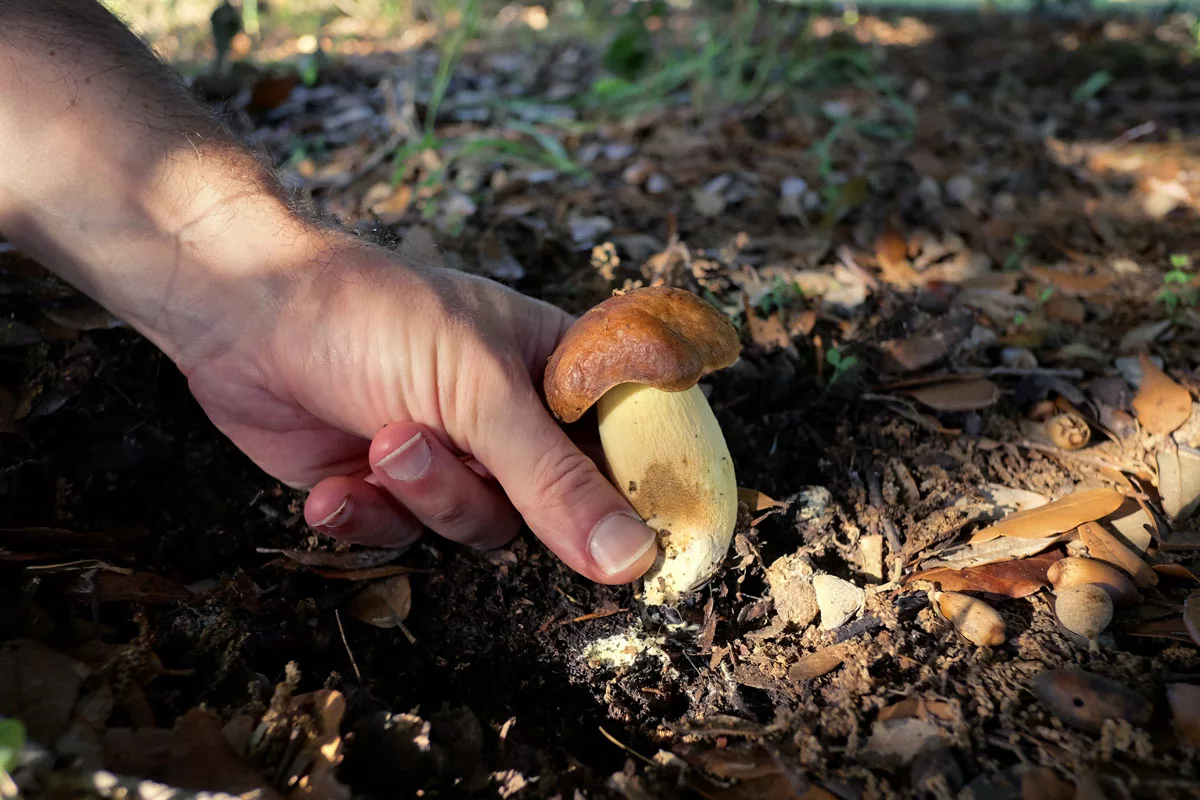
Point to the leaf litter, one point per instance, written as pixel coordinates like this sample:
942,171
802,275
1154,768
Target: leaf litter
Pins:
927,272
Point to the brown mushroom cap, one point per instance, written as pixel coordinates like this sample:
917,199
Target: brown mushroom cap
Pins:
659,336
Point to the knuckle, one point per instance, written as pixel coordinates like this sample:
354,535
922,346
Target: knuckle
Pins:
561,476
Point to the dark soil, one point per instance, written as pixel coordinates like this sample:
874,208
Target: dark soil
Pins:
100,434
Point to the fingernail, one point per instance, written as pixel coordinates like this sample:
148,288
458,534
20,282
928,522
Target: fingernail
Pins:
339,515
408,461
618,541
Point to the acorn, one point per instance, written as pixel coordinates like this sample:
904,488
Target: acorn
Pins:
1077,571
1068,431
1083,612
974,619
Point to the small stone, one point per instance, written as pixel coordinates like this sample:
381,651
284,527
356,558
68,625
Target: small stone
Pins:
960,189
839,600
790,578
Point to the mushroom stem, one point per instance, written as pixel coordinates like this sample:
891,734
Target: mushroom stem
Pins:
666,453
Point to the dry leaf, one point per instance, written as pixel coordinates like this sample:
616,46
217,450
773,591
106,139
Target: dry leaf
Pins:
1059,516
1177,571
1073,284
891,251
1169,628
385,604
930,344
1084,700
756,501
201,758
342,559
46,542
1104,546
135,587
1161,404
365,574
1016,578
1142,336
918,708
969,395
991,552
1179,481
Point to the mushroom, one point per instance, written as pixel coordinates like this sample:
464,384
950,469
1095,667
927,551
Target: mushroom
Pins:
637,356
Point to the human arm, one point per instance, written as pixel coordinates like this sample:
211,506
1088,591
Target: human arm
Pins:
300,342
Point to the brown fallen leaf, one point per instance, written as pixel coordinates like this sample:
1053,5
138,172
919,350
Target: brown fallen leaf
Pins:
1071,283
991,552
1084,700
202,759
134,587
1184,700
1103,546
1179,481
1016,578
19,544
1169,628
365,574
757,501
1041,783
1059,516
891,251
968,395
1177,571
768,333
1161,404
341,559
918,708
384,604
930,344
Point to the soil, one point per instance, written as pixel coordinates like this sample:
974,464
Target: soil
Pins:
101,436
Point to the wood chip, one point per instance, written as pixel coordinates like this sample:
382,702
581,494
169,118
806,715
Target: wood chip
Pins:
1059,516
818,663
1161,404
839,600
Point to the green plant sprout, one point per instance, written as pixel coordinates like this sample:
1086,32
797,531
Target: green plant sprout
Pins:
1012,263
842,365
1178,289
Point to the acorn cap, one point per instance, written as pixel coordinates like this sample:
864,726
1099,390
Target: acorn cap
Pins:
659,336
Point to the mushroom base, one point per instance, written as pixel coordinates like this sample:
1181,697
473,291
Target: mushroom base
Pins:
665,452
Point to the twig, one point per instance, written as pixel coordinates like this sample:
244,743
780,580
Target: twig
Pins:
1058,451
594,615
875,491
849,263
1063,372
337,615
626,747
1136,132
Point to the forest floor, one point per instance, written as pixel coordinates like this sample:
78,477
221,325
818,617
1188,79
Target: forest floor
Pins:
963,254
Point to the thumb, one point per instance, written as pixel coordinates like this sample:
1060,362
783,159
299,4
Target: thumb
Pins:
562,495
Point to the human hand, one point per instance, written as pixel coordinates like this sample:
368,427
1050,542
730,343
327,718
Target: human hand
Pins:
405,397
